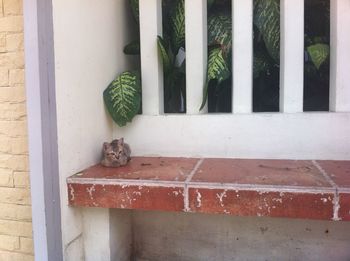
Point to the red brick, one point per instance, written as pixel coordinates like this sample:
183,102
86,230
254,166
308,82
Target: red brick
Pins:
145,168
274,188
264,172
255,203
344,204
127,196
339,171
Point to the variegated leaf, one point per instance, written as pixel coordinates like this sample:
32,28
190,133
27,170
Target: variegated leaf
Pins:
267,20
220,31
217,70
319,53
178,26
164,53
123,97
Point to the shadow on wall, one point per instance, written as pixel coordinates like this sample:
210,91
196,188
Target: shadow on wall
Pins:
190,237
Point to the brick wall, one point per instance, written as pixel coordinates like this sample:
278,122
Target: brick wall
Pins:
15,212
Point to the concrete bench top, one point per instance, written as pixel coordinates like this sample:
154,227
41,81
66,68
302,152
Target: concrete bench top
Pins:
241,187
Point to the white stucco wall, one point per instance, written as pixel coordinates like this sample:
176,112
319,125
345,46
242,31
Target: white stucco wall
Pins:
89,37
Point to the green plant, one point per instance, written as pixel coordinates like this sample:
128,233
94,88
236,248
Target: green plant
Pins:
123,96
172,50
266,54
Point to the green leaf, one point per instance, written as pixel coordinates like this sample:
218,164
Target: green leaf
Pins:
220,31
123,97
178,26
267,20
164,53
132,48
217,70
135,9
319,53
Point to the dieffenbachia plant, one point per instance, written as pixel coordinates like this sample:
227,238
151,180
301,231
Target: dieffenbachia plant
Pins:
123,95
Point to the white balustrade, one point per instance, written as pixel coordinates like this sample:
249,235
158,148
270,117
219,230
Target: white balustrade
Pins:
292,56
242,90
196,53
340,56
151,66
290,134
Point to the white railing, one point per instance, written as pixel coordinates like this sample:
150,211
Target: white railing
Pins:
288,134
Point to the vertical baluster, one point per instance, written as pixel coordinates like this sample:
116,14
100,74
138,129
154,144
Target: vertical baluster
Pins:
196,53
151,66
292,56
242,59
340,56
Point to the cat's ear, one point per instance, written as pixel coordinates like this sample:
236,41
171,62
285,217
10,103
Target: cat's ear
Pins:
105,146
121,141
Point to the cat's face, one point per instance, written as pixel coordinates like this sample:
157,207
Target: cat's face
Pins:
109,153
113,151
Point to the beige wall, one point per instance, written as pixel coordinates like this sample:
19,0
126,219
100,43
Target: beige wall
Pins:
15,212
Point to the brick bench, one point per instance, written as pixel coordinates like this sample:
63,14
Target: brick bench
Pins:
249,187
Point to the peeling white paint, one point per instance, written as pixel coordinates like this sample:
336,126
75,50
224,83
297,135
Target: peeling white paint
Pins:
137,193
221,196
72,196
265,203
324,200
199,199
279,200
261,192
90,191
128,197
